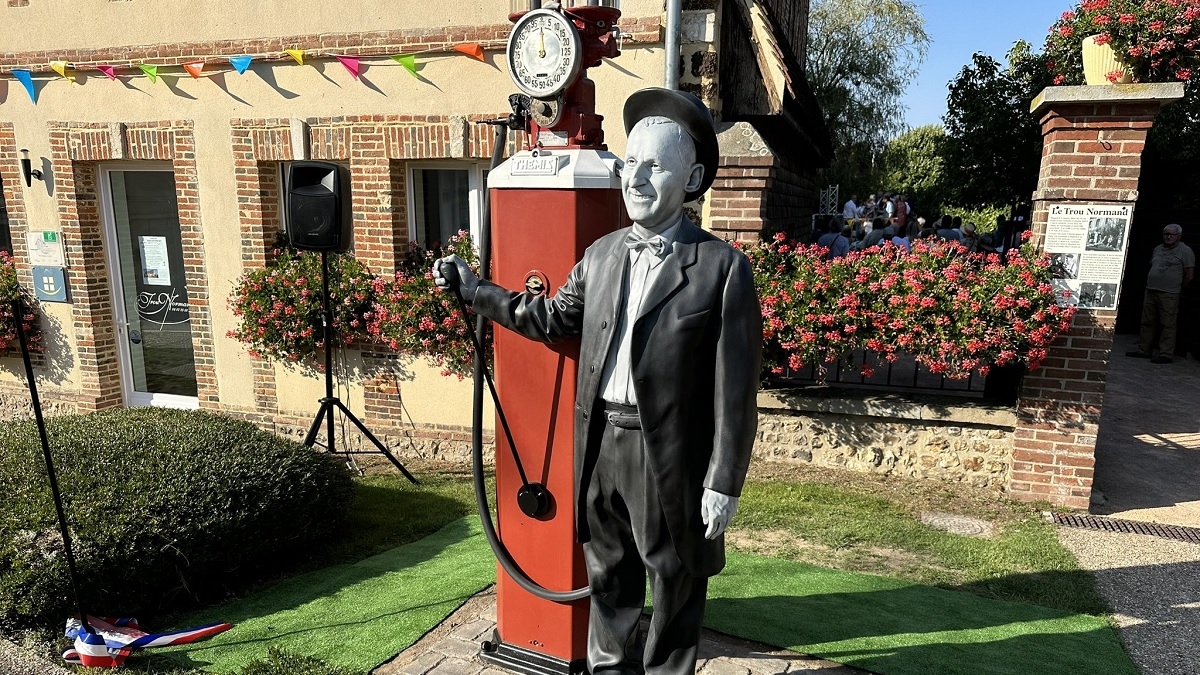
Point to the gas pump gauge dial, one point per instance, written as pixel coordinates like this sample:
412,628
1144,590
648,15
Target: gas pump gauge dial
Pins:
544,53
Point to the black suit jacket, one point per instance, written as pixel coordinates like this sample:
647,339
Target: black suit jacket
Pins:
695,361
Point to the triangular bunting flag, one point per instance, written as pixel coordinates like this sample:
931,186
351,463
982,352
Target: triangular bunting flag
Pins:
240,63
150,71
471,49
61,67
194,68
109,71
409,62
26,79
297,54
351,63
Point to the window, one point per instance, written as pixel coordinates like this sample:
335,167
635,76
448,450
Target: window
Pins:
443,198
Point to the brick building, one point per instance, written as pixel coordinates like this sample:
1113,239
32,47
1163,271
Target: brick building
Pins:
165,191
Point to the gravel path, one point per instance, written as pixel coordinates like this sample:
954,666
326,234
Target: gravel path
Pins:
1153,587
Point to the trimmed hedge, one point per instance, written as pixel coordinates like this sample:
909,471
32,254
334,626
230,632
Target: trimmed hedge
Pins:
168,509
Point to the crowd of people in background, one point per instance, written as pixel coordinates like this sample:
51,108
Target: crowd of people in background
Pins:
892,219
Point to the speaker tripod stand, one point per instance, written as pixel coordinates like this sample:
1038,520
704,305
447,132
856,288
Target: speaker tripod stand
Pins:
332,403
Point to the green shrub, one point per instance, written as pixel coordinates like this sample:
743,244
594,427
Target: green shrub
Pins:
167,508
279,662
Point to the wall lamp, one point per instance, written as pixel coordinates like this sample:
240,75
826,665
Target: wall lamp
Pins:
27,169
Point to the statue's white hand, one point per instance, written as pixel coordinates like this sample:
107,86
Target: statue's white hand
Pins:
716,510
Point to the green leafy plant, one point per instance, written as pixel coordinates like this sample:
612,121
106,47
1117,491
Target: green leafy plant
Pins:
10,290
167,508
954,312
411,316
279,307
1158,40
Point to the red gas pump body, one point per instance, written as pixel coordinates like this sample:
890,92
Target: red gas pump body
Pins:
548,204
540,234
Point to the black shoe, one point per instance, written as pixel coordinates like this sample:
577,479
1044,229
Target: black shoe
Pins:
1138,354
1161,358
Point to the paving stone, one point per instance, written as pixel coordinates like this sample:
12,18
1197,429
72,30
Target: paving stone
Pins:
761,664
457,666
724,666
420,665
474,631
458,648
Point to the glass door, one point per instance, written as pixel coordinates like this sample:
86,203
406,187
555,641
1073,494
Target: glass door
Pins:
150,294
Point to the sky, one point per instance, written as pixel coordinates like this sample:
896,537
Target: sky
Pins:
959,28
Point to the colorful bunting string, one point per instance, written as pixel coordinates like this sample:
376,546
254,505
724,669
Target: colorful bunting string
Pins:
26,78
471,49
240,63
351,64
63,69
151,71
409,62
196,69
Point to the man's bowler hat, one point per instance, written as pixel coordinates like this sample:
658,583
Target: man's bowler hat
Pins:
690,114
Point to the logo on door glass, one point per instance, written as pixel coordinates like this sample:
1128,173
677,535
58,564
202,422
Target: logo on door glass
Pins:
163,308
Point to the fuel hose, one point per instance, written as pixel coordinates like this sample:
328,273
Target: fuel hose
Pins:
481,378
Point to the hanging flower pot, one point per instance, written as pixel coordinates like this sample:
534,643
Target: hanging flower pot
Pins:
1101,65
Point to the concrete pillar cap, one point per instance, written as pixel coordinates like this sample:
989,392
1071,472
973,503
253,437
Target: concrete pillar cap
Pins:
1160,92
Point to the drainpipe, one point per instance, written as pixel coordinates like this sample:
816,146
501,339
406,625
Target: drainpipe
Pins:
674,31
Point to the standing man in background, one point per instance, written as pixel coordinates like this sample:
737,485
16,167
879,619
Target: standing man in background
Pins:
1172,267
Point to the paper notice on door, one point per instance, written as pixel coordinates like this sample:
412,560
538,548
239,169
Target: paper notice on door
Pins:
156,264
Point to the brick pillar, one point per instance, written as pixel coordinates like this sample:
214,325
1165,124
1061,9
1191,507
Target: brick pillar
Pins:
1091,155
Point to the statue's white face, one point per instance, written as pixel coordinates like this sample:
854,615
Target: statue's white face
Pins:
660,169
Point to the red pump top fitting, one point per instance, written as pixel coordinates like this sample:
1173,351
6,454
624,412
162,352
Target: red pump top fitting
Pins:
569,119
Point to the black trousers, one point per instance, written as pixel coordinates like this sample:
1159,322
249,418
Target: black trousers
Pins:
630,541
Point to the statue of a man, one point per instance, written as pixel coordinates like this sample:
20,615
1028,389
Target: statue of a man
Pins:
665,412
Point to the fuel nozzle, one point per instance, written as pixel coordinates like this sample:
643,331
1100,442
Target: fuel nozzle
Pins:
518,119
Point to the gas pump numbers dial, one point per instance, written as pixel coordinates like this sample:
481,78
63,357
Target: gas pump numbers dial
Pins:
543,53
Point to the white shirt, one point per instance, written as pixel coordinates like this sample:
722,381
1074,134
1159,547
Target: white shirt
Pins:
616,382
850,212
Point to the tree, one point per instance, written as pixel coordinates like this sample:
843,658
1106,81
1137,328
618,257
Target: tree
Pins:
993,142
912,163
861,54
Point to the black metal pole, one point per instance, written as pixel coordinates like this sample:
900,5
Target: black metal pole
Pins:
327,320
18,319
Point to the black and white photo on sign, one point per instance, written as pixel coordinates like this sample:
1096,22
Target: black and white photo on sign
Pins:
1098,296
1064,265
1106,234
1066,292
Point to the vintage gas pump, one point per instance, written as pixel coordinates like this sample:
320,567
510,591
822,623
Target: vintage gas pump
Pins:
548,202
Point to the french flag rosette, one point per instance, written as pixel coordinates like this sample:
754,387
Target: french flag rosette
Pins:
113,639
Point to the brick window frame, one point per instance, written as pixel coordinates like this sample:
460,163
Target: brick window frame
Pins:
378,148
13,185
77,149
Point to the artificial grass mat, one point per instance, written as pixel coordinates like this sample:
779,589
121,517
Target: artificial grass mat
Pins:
359,615
356,615
899,628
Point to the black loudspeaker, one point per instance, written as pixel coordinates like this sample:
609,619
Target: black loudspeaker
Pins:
318,206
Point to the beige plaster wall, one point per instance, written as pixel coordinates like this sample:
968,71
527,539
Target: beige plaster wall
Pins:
454,85
50,24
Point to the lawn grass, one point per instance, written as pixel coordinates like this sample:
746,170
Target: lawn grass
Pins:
353,616
855,525
895,627
791,515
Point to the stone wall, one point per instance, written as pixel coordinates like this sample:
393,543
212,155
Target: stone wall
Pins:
962,443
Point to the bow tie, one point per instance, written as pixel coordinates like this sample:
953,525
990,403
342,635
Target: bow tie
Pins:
654,243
